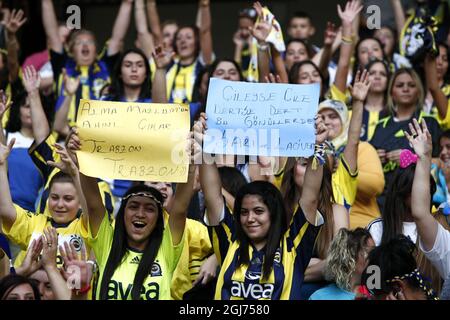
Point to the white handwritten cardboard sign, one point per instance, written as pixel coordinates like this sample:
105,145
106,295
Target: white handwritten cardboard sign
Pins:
265,119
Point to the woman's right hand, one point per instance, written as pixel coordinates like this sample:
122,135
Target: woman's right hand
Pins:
351,11
5,151
382,155
4,105
67,164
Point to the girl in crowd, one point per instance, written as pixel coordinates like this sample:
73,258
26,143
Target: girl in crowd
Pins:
434,239
389,40
346,261
405,101
400,278
16,287
255,243
138,253
438,89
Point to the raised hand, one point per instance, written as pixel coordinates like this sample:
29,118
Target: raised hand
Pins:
70,84
330,34
361,86
162,57
50,248
73,142
273,78
31,263
321,130
4,104
420,139
66,165
261,30
15,21
31,79
5,151
352,9
76,262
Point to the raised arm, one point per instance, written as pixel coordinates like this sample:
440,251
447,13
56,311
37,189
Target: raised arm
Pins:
260,31
359,94
155,24
352,9
209,178
399,14
162,59
120,27
206,45
7,211
183,195
15,21
144,37
41,128
4,106
51,26
309,199
440,100
327,50
61,125
95,207
427,226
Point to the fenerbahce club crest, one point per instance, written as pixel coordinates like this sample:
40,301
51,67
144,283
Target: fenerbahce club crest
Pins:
156,267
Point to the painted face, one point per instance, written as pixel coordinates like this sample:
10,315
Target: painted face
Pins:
21,292
308,74
442,62
378,78
141,216
387,38
244,25
295,52
255,219
369,49
84,50
227,71
332,121
133,70
300,28
185,43
168,34
63,202
45,287
25,114
444,155
299,171
404,90
166,190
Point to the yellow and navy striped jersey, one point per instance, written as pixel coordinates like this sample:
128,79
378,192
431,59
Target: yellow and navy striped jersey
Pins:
443,122
157,284
344,184
245,282
180,81
29,226
44,152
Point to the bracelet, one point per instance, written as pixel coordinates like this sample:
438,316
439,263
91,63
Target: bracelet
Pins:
83,290
347,40
319,155
94,265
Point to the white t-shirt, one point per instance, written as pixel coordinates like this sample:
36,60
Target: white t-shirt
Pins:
439,255
376,230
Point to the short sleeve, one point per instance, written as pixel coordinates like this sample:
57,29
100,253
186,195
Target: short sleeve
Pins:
102,242
42,153
439,255
23,227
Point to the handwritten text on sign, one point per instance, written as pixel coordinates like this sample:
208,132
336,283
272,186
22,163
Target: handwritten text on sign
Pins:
133,141
267,119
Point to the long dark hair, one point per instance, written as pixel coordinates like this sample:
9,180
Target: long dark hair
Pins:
11,281
272,198
357,64
293,76
20,99
116,90
120,245
291,197
395,207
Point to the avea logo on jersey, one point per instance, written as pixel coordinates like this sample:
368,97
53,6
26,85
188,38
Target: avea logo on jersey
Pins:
116,291
252,290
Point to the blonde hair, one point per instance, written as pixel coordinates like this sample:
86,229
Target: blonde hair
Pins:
343,256
420,100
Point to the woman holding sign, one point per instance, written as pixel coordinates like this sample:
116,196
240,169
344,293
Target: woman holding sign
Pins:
138,253
261,256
